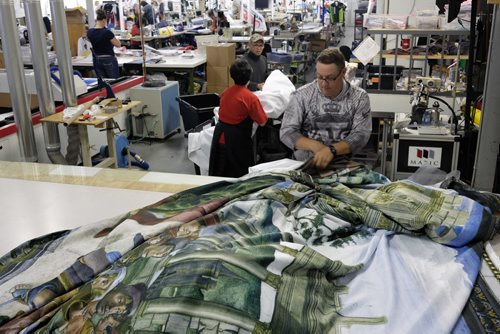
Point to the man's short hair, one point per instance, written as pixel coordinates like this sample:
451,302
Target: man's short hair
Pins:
331,56
240,72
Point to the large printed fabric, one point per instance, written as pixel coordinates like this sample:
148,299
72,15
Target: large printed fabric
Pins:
275,253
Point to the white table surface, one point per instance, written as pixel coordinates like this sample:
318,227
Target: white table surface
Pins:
37,199
166,61
243,39
32,208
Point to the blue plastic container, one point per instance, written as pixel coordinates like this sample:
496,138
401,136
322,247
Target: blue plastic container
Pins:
279,57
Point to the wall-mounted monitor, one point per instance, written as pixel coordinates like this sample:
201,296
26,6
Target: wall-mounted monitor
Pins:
262,4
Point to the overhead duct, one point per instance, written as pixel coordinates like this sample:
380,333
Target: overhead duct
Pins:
63,54
36,30
17,82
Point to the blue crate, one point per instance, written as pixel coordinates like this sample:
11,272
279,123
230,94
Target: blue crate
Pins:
279,57
297,56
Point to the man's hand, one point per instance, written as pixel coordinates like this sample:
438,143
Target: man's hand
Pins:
322,157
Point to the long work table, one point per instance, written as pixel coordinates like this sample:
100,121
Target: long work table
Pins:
159,63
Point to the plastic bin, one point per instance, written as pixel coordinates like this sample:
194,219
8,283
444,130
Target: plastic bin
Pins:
279,57
395,21
427,22
297,56
374,21
197,109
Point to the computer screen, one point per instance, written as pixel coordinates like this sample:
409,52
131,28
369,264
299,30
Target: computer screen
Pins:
297,16
262,4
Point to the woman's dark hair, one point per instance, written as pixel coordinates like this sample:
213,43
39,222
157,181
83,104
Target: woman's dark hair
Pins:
331,56
240,72
100,15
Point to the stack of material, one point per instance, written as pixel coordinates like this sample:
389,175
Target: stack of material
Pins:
219,58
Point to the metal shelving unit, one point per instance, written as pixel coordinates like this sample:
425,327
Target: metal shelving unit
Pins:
358,25
411,57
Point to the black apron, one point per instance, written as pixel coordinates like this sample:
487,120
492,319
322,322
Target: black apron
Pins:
233,158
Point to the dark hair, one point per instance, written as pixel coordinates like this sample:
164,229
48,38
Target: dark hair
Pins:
210,13
331,56
144,3
240,72
346,52
46,22
100,15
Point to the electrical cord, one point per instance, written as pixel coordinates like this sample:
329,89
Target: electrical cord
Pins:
144,134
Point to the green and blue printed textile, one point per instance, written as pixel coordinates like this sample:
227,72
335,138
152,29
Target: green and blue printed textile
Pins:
272,253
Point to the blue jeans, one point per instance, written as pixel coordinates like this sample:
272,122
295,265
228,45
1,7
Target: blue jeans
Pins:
106,67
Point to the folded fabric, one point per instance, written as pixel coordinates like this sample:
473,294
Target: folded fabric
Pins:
275,94
70,112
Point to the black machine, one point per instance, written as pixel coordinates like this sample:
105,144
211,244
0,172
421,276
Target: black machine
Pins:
421,104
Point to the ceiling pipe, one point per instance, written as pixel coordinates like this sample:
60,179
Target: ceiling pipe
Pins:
90,10
63,53
36,29
17,81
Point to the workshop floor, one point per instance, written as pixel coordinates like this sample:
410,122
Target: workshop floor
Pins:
170,155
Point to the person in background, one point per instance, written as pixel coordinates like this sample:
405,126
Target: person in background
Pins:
327,117
156,11
257,61
84,45
161,11
47,24
136,31
135,10
148,13
213,18
103,40
222,22
232,147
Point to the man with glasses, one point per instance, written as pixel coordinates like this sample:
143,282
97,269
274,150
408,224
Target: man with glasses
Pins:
327,117
257,61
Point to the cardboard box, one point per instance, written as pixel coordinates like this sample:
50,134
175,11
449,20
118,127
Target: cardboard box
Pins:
75,15
222,54
75,19
215,89
317,45
6,102
218,76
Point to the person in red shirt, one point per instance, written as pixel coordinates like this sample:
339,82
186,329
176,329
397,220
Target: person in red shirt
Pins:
231,152
136,31
213,18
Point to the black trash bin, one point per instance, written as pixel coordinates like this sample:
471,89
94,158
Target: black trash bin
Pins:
196,109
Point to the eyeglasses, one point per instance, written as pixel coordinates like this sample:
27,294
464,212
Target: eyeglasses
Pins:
329,79
258,45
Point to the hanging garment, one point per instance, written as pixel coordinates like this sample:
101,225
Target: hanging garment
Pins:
337,12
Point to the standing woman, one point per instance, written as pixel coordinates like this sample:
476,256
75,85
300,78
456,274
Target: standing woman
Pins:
103,40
